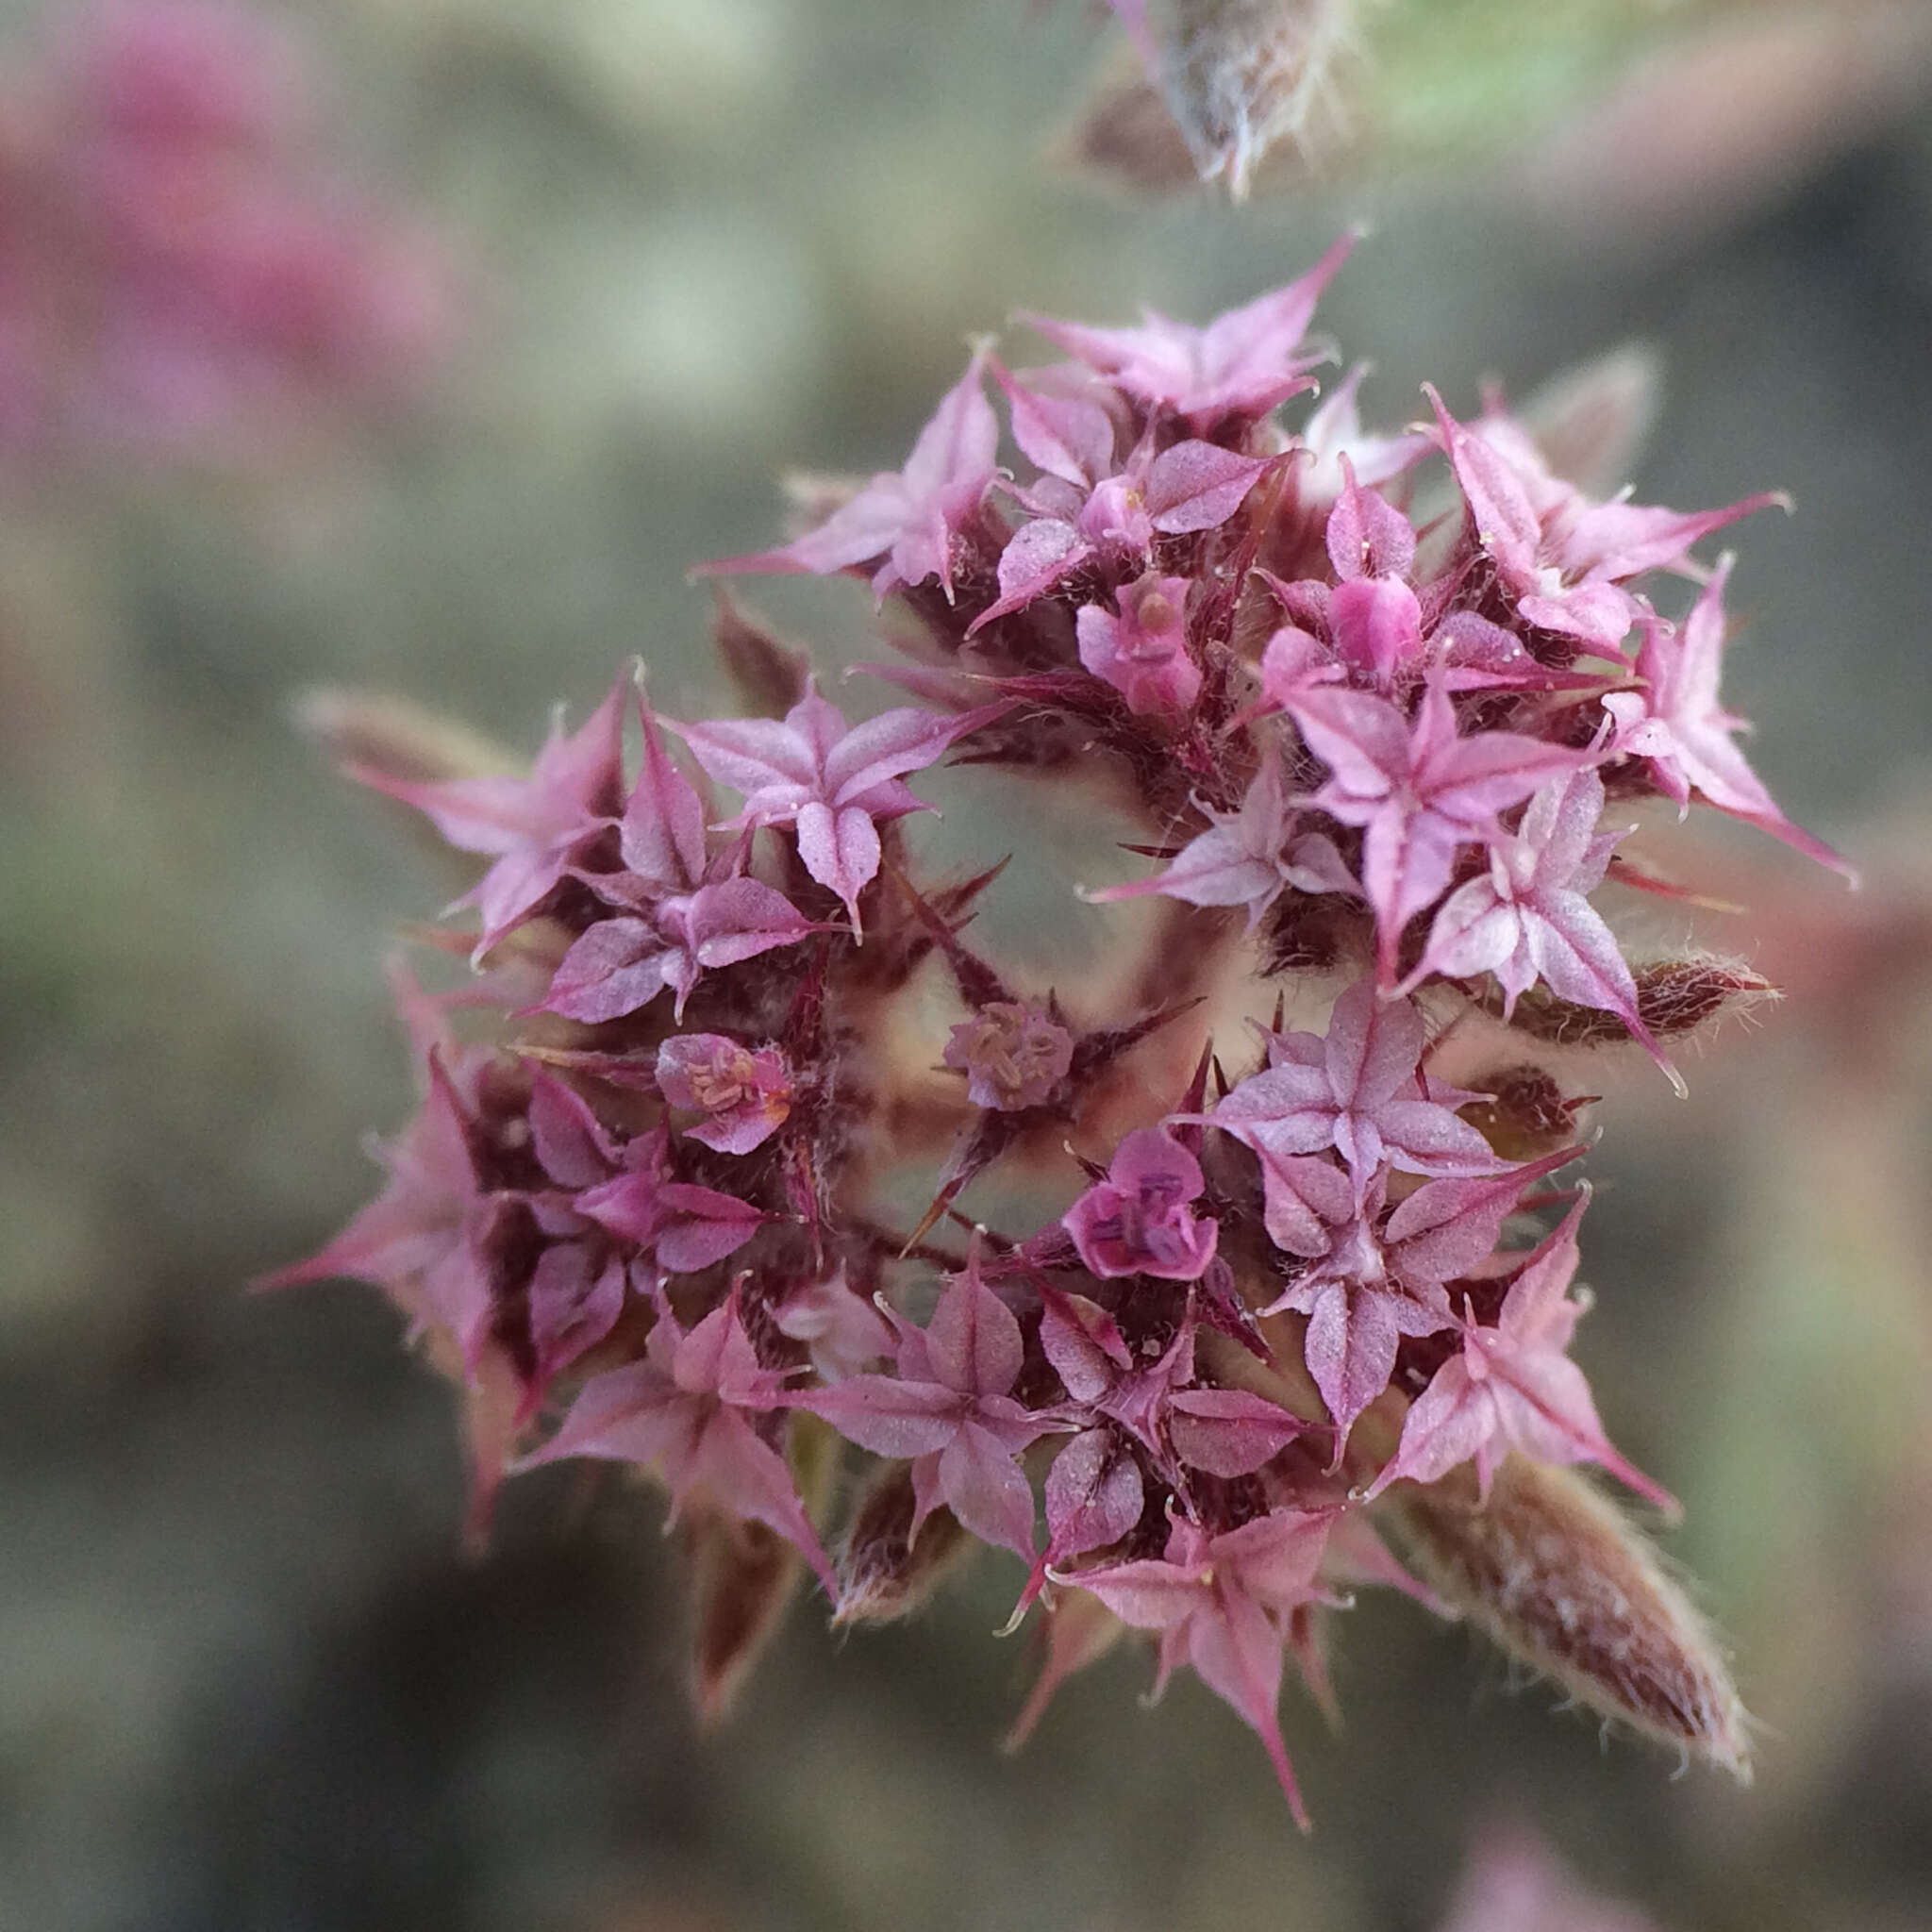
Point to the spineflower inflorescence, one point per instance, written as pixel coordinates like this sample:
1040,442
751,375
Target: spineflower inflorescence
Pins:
1376,709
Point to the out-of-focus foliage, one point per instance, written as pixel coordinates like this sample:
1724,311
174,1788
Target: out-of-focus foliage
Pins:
1614,116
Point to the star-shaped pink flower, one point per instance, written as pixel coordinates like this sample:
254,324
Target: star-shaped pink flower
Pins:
1420,789
1358,1089
1243,363
1359,1310
416,1240
1512,1385
538,827
679,911
686,1227
1221,1603
902,525
1223,1432
1563,558
1677,723
950,1409
1094,1492
832,782
1181,490
1380,1277
1527,917
618,965
686,1411
1246,858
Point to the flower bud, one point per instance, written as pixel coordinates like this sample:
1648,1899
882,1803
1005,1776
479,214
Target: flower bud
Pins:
1239,75
1555,1576
393,739
1674,997
768,676
1523,1112
1013,1053
885,1572
743,1575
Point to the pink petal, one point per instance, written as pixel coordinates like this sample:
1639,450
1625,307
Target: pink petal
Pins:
1036,557
888,1416
1228,1432
973,1340
1083,1343
1198,486
1350,1350
1092,1492
985,1490
841,849
1062,435
613,968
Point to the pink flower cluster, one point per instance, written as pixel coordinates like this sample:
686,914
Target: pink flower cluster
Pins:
176,258
1297,1302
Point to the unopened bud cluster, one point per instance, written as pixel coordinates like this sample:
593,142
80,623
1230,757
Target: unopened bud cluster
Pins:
1362,699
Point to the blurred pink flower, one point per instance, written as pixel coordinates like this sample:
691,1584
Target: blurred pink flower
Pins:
1514,1883
182,262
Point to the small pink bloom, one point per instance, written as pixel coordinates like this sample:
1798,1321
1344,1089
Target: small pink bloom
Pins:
686,1227
903,524
1677,723
950,1410
833,781
1144,652
1528,918
1513,1386
1242,363
1221,1603
1138,1221
536,828
1420,789
1247,857
417,1239
1013,1053
746,1093
1358,1308
1181,490
1564,558
1358,1089
618,965
685,1410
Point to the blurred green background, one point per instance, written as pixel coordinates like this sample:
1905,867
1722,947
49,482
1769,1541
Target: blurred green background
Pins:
247,1679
